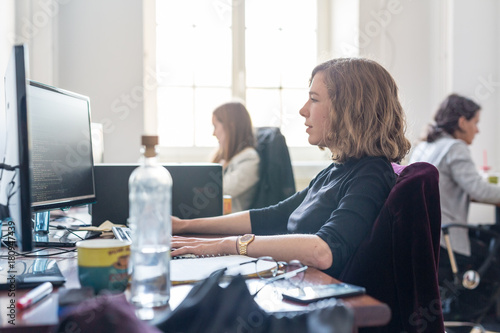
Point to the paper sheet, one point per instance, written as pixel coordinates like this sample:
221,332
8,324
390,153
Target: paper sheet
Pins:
196,269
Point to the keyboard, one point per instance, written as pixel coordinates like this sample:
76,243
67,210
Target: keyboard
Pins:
122,233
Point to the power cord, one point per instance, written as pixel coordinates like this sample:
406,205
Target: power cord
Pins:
34,252
70,230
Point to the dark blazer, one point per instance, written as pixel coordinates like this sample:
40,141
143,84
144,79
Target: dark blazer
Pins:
276,175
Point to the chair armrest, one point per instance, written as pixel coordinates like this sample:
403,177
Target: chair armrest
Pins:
481,228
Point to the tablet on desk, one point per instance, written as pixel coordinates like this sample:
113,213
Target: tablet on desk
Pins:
30,273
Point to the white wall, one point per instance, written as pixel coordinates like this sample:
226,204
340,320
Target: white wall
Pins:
100,55
36,26
7,26
476,60
402,36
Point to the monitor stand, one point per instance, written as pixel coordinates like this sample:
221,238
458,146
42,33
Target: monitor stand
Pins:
60,237
42,220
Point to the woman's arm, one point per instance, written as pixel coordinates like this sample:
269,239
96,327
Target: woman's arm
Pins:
269,220
464,173
310,250
231,224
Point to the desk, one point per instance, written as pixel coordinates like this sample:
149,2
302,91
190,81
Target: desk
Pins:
497,210
43,316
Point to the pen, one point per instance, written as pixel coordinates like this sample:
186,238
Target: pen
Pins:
35,295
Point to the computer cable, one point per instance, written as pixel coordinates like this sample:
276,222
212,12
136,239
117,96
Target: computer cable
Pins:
70,230
33,253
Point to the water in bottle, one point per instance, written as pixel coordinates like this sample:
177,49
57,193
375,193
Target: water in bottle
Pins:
150,201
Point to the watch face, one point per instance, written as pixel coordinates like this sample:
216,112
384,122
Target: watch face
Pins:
246,238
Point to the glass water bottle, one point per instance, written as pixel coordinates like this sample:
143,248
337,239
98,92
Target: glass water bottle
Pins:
150,201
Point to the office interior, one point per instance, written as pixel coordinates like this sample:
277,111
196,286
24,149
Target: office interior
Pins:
102,49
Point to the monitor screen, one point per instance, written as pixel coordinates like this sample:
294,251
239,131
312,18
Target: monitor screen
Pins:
62,167
15,210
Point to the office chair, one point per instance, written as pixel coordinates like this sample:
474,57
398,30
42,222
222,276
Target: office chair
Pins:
397,262
275,171
469,292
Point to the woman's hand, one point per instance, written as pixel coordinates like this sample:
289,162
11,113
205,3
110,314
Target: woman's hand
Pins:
203,246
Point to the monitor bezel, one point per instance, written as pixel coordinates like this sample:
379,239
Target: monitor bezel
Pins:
74,201
19,62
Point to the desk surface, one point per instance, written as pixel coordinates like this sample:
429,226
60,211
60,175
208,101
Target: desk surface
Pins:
43,316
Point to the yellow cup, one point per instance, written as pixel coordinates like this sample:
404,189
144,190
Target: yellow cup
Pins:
103,264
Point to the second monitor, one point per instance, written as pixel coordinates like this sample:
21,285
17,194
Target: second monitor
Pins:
196,191
62,173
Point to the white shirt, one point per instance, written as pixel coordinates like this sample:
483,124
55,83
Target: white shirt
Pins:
459,182
241,178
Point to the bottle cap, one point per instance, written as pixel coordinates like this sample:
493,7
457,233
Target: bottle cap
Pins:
150,141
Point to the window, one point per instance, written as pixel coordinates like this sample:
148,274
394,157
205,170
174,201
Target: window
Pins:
206,56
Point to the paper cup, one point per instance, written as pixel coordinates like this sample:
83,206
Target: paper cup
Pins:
103,264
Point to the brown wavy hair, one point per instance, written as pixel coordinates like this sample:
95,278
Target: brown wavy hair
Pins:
237,125
366,116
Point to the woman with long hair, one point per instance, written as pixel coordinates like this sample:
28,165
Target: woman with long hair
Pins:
240,161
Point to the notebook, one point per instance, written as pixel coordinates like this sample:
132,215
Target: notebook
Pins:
196,191
191,270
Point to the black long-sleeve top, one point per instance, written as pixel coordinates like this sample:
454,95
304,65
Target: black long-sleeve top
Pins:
339,205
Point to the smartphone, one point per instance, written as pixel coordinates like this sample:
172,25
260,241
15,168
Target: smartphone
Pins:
315,293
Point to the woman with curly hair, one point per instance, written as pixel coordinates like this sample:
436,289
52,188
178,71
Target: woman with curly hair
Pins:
353,110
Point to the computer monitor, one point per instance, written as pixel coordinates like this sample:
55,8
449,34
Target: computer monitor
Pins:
15,191
62,166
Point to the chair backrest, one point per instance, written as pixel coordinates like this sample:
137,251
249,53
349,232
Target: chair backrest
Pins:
276,174
397,263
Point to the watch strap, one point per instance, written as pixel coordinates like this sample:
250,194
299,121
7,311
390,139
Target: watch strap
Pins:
242,243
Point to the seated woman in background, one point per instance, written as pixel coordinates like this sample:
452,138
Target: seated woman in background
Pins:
446,147
237,154
353,110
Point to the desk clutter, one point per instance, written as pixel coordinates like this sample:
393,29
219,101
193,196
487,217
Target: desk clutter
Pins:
105,228
111,310
208,308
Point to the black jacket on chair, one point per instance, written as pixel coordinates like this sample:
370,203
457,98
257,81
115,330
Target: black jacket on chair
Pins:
276,175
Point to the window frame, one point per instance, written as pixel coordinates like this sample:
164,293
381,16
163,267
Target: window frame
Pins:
180,154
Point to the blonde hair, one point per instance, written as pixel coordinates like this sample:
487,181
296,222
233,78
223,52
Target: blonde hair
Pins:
237,125
366,116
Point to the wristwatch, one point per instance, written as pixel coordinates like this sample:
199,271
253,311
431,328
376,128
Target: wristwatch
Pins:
243,242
